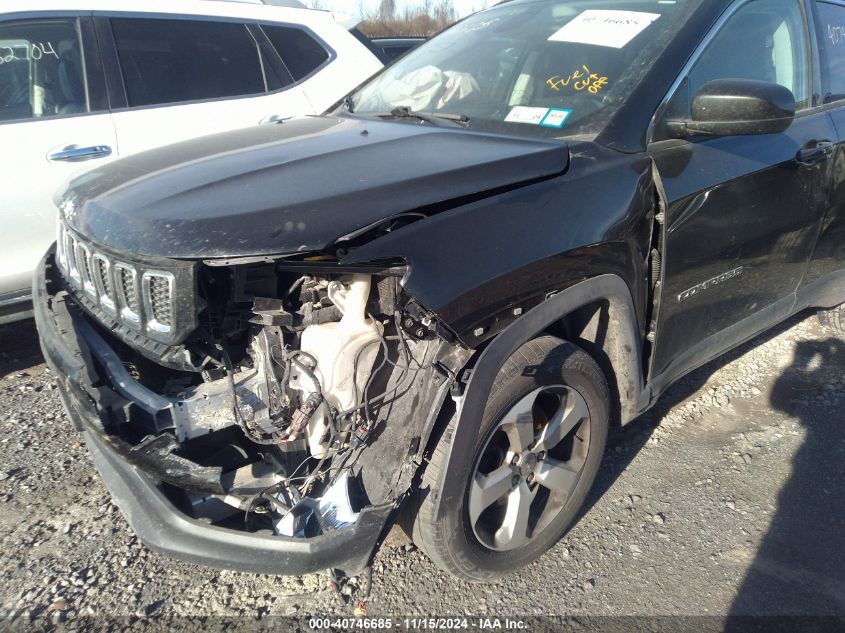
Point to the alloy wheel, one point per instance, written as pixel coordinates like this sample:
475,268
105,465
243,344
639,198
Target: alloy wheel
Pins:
529,467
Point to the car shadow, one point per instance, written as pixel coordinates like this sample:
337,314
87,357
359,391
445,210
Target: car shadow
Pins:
625,443
799,568
19,348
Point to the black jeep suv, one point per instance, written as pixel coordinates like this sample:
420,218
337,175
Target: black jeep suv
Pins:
429,304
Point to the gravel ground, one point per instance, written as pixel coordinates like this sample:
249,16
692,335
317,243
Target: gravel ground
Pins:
728,498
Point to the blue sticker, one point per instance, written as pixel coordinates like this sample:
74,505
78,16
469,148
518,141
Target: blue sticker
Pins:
556,118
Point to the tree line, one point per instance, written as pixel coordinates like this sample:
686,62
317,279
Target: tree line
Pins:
425,19
430,17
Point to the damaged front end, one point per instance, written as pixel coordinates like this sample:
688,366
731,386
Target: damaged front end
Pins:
299,401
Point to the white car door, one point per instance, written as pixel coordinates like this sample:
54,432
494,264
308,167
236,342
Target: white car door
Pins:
185,78
50,129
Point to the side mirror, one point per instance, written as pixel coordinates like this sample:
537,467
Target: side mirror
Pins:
737,107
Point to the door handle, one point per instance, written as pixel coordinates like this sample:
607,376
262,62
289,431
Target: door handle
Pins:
814,152
74,154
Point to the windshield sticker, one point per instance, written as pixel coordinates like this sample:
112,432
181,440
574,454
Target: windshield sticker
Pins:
580,80
523,114
836,34
556,118
613,29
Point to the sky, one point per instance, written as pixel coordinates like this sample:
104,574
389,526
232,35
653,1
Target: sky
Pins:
464,7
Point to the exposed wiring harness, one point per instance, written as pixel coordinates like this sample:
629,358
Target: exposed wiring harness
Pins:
369,401
355,448
348,430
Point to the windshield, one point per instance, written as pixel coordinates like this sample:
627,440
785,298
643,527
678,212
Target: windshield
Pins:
534,67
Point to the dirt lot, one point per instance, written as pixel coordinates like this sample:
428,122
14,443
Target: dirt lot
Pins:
729,498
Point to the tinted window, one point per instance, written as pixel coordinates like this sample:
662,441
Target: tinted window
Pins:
301,53
41,70
831,30
168,61
771,36
392,53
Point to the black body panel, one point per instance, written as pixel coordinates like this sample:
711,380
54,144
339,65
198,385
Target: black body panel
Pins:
741,210
529,242
292,187
830,249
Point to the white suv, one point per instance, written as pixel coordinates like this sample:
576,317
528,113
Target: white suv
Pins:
83,82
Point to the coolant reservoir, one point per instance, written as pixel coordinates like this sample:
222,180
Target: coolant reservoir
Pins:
336,346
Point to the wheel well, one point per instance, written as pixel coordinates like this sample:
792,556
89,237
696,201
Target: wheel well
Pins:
590,327
611,326
595,328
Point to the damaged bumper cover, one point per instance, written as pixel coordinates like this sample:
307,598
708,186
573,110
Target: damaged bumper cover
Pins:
76,353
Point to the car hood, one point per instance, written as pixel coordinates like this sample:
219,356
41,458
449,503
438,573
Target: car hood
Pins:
292,187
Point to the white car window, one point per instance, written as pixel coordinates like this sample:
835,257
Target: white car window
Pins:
41,69
301,53
173,61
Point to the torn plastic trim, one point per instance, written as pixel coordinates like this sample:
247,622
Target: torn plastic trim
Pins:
414,216
158,407
388,466
166,530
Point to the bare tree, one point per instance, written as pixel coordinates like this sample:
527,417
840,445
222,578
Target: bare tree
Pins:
362,10
426,19
387,9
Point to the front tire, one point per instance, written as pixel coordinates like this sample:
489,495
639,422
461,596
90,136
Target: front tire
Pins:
536,456
833,320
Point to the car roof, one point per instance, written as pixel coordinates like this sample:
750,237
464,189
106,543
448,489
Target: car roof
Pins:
250,9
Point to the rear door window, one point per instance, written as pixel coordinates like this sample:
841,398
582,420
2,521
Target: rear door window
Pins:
831,31
172,61
41,69
300,51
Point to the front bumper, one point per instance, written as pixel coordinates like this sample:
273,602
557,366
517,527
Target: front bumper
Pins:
70,346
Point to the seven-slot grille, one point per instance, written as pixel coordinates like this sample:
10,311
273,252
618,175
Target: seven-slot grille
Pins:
140,299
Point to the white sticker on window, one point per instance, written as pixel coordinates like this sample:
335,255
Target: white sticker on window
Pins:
523,114
613,29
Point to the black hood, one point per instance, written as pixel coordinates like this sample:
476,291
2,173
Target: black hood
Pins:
292,187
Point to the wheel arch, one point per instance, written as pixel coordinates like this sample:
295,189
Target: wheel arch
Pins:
597,314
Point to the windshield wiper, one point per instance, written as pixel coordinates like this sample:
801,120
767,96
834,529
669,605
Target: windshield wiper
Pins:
404,112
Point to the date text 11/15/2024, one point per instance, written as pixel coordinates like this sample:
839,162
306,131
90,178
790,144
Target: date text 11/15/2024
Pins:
418,623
